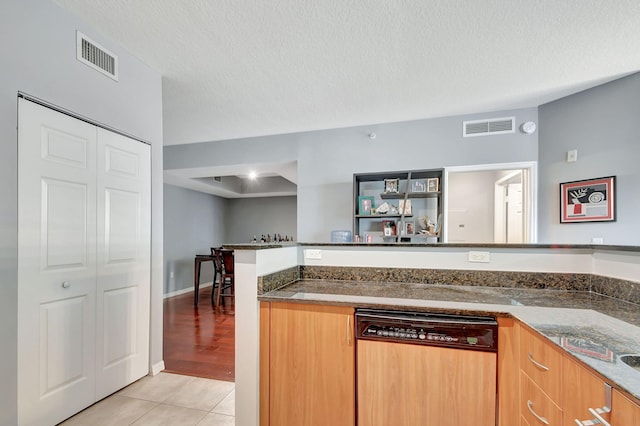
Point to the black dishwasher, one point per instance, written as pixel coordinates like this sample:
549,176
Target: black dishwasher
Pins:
421,368
423,328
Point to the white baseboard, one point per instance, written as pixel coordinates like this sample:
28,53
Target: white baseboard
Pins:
157,368
186,290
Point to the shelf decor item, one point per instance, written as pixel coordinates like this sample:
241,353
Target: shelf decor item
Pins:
590,200
433,184
418,185
404,207
365,205
391,186
389,228
409,228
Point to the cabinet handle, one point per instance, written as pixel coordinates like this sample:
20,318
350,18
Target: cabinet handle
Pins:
587,422
539,417
66,284
349,330
596,413
536,363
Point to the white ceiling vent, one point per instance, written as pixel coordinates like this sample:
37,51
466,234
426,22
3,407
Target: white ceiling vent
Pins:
493,126
97,57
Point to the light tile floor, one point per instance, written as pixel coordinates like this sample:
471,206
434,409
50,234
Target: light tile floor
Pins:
165,399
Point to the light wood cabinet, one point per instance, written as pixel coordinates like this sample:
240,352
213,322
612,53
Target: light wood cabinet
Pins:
555,388
542,362
624,411
581,390
536,407
310,372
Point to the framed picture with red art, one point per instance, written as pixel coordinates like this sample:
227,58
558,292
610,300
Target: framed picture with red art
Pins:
589,200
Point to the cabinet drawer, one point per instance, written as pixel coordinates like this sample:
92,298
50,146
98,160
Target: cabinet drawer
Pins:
542,362
535,406
581,390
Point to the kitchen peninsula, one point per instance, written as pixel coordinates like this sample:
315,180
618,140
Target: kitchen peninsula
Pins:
568,294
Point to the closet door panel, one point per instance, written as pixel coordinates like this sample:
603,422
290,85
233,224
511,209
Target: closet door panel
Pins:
56,264
124,256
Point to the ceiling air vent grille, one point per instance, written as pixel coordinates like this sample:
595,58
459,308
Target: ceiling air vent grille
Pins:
493,126
96,56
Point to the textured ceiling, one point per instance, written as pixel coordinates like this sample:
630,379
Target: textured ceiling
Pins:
241,68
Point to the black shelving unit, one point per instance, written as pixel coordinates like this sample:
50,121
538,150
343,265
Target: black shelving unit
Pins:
412,185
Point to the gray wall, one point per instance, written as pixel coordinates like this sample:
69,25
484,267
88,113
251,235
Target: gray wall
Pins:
327,159
602,124
247,217
37,48
193,223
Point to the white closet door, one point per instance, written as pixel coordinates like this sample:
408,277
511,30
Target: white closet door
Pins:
56,265
124,256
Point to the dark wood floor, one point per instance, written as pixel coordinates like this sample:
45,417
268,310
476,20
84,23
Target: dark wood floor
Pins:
199,341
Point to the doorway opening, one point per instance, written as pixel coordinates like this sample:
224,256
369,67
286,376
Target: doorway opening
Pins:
493,203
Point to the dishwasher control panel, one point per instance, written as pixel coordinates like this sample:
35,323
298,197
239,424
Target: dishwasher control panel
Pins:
475,333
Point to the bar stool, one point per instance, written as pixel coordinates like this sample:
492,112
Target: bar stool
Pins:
217,271
227,281
197,264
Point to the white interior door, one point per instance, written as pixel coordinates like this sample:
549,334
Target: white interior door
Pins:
124,256
56,265
499,214
514,213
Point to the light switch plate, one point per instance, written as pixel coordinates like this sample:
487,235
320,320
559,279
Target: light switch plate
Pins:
572,156
479,256
313,254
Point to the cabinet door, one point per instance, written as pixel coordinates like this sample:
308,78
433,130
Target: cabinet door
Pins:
581,390
312,370
406,385
624,412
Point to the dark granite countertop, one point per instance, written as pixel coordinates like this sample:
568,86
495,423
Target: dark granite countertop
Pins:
591,247
598,330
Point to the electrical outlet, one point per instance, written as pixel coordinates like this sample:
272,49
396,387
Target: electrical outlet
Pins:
597,240
312,254
479,256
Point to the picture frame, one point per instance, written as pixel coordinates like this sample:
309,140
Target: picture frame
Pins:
389,228
433,185
365,205
409,228
589,200
404,207
418,185
392,186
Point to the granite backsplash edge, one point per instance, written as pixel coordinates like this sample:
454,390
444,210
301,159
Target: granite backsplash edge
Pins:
628,291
